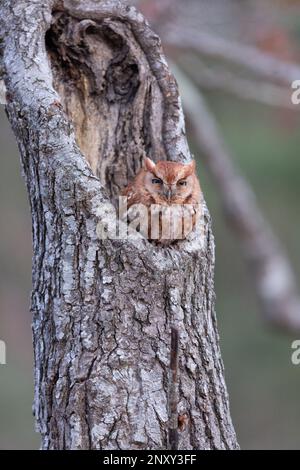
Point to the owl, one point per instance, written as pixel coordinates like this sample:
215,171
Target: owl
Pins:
164,200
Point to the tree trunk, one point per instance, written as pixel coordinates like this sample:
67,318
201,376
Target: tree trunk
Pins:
89,94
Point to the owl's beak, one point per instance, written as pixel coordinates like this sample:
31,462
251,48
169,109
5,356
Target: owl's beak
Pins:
168,193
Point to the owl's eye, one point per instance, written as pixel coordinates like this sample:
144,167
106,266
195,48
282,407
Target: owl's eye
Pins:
156,181
182,183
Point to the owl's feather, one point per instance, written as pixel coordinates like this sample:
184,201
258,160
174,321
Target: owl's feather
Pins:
169,188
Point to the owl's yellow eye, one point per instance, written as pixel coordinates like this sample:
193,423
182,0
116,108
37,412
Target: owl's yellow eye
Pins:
182,183
156,181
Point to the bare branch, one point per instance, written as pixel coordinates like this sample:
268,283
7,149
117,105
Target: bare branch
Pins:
219,78
245,56
270,268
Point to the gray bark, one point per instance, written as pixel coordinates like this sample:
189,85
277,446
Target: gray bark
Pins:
86,105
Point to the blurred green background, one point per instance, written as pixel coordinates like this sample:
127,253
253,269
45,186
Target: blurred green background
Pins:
263,384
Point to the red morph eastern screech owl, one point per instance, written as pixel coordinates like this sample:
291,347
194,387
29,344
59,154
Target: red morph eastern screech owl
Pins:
170,194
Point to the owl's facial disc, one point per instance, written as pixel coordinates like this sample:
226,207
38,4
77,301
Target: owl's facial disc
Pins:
171,182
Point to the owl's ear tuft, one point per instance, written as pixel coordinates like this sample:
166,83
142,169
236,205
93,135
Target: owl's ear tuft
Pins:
191,167
149,164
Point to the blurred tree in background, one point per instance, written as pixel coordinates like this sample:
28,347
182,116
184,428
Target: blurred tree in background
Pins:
221,50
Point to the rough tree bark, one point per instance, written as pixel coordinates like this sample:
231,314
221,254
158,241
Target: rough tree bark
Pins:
88,95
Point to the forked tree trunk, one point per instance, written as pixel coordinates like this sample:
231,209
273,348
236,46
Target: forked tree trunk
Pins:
88,95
